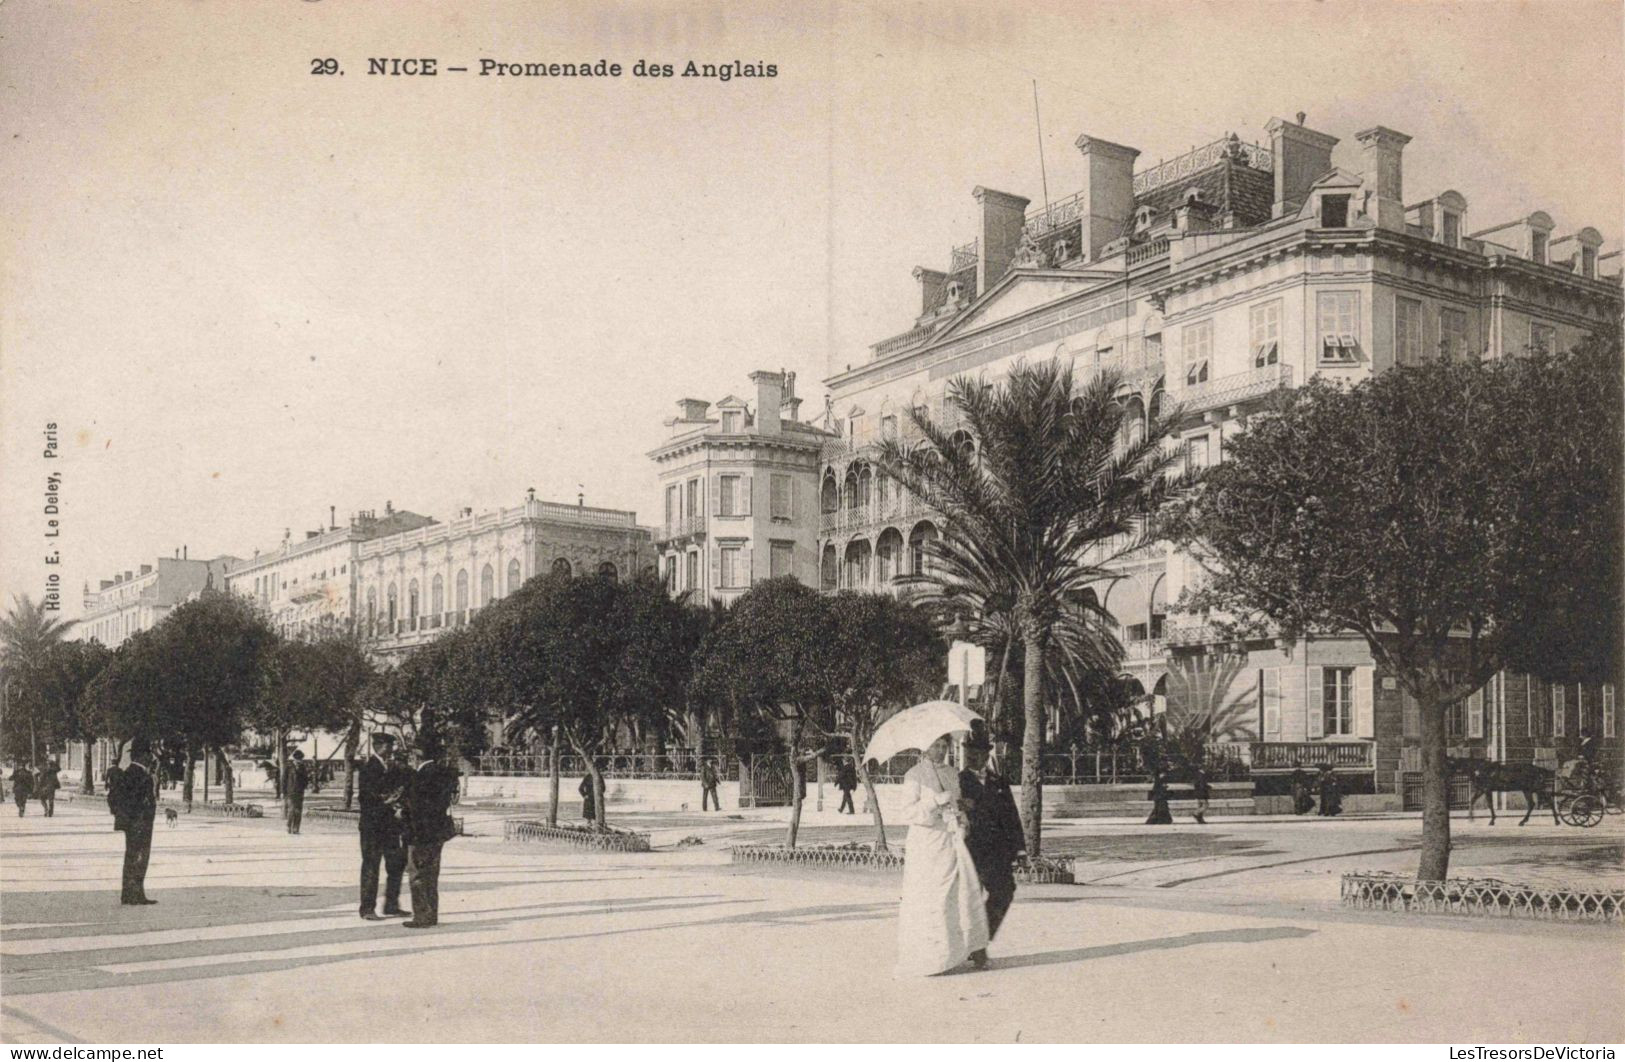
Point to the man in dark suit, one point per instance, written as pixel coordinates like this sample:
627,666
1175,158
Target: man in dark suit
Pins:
381,795
298,782
428,828
134,802
994,835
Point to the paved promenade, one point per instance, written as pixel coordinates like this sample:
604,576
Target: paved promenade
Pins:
1232,933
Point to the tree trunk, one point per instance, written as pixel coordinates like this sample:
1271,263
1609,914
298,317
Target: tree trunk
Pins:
228,779
553,781
1032,741
874,805
186,774
795,800
1435,862
208,753
352,745
87,784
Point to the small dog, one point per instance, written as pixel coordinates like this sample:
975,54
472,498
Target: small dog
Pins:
171,816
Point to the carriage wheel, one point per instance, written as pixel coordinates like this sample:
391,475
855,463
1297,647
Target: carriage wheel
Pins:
1587,810
1565,808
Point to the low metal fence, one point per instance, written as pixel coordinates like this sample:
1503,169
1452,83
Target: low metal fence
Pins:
1482,896
528,831
677,765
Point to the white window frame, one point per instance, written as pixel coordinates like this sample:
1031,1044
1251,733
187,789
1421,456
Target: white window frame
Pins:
1194,445
1608,710
786,494
1196,348
1559,712
734,577
728,487
1447,219
1452,341
1337,323
1407,330
732,419
1264,322
1337,711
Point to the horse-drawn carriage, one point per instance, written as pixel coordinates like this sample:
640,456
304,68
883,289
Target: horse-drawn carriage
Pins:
1577,792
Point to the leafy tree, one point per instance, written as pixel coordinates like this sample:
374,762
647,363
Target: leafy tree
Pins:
27,632
1432,510
1055,489
59,683
890,656
310,686
772,659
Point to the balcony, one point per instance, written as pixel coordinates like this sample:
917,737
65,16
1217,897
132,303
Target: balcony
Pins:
1148,252
1192,635
905,341
861,517
687,527
1144,650
1339,755
1235,388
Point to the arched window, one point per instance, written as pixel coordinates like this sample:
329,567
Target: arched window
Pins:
488,585
889,555
513,575
412,600
391,605
372,610
462,590
829,497
829,569
437,596
607,569
859,557
918,541
849,495
962,442
561,566
866,483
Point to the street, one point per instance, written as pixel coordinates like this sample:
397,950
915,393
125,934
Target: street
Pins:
1232,933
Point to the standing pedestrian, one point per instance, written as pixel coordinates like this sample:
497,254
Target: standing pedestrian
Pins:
1302,801
396,783
22,788
709,801
993,832
47,785
1331,794
1160,815
429,826
381,794
298,782
589,809
846,780
1202,791
134,801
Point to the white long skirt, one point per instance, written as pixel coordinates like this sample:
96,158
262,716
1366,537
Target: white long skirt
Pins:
943,917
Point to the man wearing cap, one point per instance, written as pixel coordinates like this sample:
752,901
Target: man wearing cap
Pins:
994,835
380,794
298,782
134,803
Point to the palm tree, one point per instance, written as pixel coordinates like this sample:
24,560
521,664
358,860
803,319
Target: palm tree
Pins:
1051,490
27,632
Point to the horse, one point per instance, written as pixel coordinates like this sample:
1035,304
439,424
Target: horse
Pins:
1492,776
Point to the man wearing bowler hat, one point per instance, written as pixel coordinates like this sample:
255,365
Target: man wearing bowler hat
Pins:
994,834
381,794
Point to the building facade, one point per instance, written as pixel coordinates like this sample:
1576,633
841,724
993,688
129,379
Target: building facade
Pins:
739,490
135,601
413,585
1211,281
306,586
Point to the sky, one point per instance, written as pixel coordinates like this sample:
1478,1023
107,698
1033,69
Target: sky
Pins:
245,293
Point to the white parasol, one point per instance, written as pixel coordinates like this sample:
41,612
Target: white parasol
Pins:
917,727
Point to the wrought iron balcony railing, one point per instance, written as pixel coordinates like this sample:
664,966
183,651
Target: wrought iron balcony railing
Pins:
1234,388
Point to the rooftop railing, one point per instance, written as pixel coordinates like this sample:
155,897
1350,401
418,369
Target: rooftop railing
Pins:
1196,160
962,257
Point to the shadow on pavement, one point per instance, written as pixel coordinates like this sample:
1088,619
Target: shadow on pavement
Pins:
1129,947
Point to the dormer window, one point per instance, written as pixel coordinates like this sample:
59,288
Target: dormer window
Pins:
1537,247
1588,262
1450,229
1334,211
732,420
1144,217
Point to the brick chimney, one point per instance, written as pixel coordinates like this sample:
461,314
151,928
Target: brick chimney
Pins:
1108,191
769,399
931,282
1382,170
691,409
1003,217
1302,155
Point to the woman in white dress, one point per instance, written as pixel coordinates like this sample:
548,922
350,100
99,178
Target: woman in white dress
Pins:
943,917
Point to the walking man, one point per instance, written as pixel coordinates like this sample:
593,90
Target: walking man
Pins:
298,782
134,801
708,787
846,780
22,788
1202,791
382,786
429,826
993,834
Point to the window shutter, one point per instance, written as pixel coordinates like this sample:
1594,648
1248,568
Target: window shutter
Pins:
749,569
1314,703
1410,721
744,490
1607,710
1364,721
1269,682
1559,713
716,495
791,504
1475,714
1579,706
716,568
